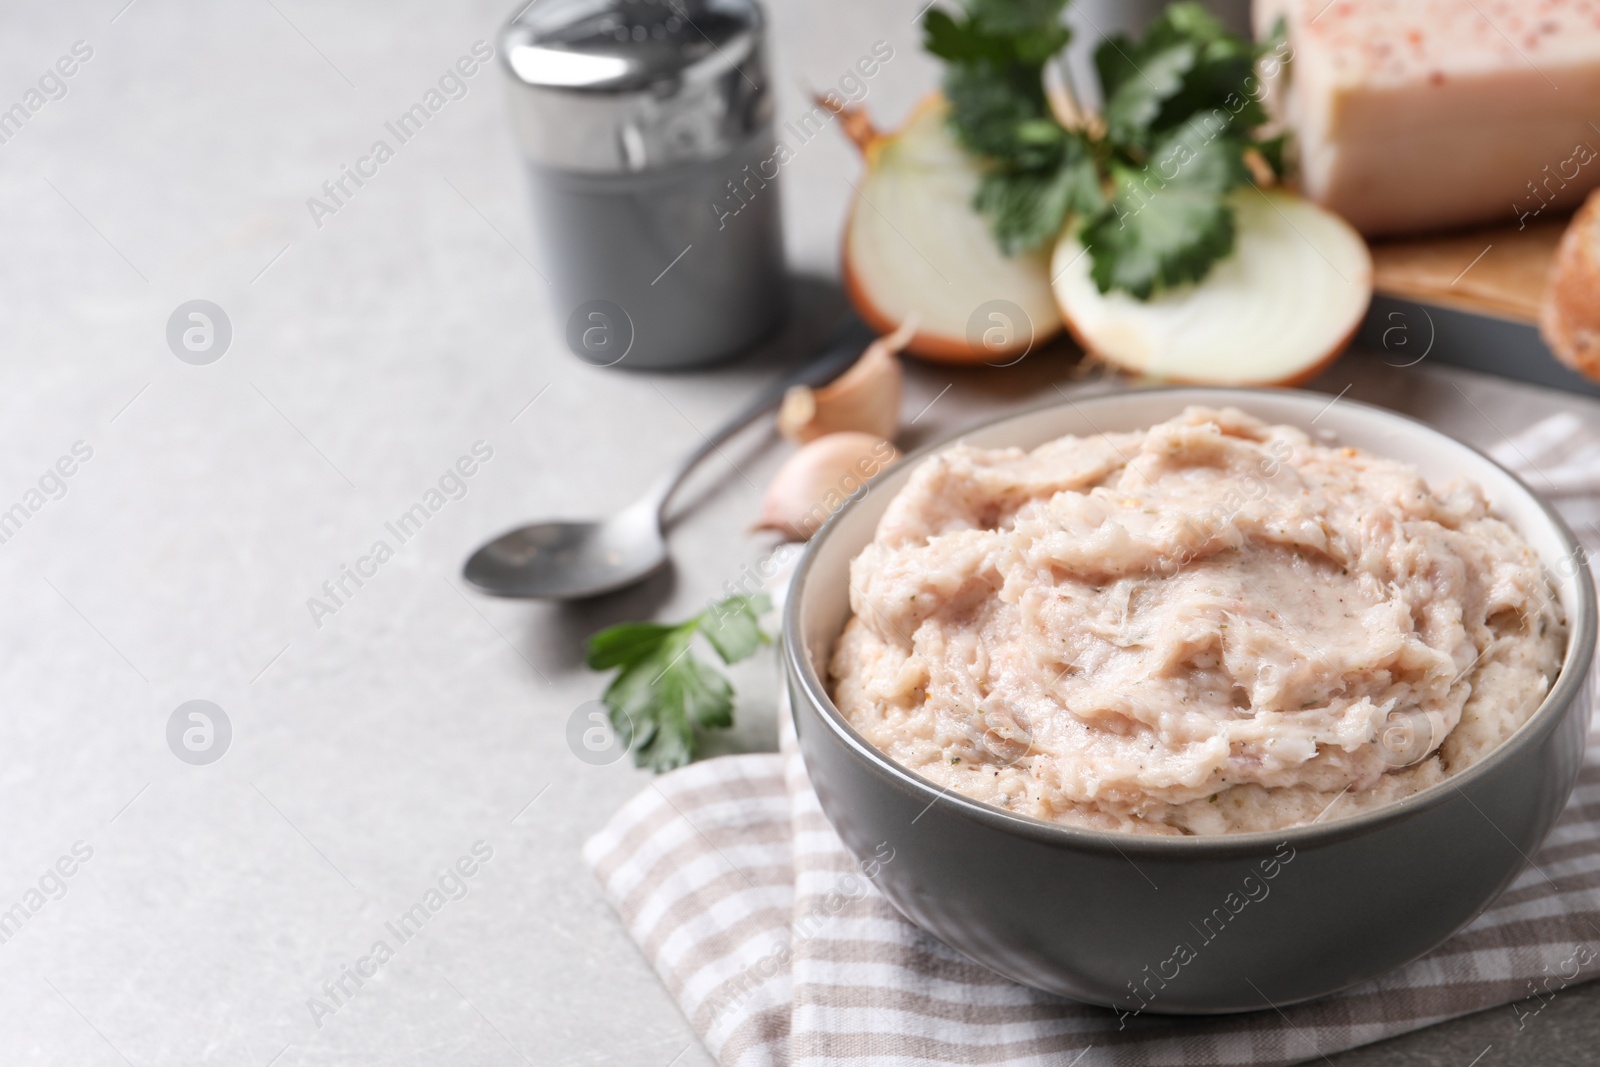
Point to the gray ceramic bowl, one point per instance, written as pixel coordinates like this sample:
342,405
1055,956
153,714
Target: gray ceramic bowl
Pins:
1196,924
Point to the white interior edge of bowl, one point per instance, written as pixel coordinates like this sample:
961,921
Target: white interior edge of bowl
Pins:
822,600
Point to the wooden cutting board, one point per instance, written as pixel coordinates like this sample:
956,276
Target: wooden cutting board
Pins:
1498,270
1471,299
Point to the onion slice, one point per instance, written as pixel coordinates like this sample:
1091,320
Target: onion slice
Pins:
1275,312
915,246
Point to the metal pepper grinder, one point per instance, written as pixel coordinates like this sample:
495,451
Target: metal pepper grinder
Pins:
647,130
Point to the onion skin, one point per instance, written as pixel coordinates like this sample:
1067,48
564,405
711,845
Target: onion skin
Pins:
1300,378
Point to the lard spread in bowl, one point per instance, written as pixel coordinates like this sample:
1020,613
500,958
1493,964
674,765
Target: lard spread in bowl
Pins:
1210,626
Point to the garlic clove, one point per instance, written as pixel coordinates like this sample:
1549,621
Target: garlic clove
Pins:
865,398
815,482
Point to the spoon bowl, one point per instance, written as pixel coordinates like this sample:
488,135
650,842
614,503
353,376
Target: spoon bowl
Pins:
569,560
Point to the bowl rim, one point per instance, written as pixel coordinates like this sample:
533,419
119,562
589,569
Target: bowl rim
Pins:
1570,680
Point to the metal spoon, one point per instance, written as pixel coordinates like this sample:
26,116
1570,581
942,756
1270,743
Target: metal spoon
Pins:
571,560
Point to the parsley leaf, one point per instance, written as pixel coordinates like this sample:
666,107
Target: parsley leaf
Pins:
1134,105
733,626
662,694
1186,64
620,644
1147,188
1164,241
1169,222
1029,206
994,55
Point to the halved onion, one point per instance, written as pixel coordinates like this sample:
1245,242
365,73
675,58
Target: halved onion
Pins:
914,246
1275,312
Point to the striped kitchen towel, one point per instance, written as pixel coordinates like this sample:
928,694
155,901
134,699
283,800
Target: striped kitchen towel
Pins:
772,940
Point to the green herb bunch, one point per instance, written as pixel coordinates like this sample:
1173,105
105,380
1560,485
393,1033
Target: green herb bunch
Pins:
1147,183
663,696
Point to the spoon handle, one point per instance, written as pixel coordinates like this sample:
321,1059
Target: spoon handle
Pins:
843,349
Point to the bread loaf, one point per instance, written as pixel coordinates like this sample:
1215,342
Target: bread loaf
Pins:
1569,318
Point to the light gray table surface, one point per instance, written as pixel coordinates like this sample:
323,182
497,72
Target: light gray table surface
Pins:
374,745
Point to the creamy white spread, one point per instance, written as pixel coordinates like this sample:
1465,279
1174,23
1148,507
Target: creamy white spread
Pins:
1211,626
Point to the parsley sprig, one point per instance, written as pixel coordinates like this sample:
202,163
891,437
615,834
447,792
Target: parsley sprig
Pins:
1147,183
663,697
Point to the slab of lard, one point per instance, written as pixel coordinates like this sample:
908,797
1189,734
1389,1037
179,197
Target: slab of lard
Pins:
1413,115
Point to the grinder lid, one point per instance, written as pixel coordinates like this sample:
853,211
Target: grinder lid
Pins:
623,86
